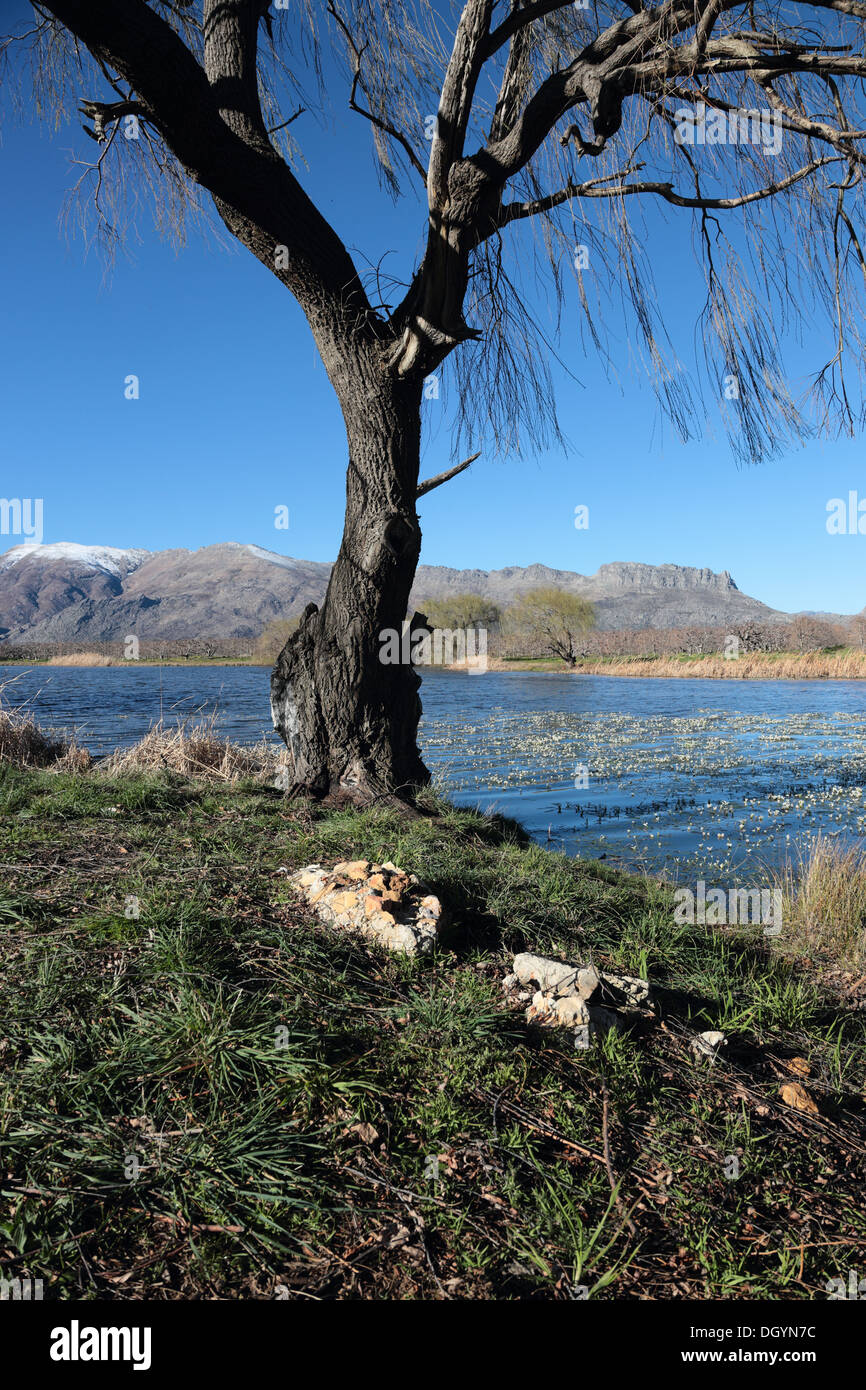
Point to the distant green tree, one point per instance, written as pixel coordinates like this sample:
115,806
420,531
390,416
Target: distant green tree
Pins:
272,639
461,611
557,618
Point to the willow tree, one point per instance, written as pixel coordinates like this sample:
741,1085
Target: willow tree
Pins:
556,619
507,129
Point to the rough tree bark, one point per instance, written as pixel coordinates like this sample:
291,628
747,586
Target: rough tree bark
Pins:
349,720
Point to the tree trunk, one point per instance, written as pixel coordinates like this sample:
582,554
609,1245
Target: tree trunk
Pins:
350,720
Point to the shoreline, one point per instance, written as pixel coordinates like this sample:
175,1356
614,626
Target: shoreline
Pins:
817,666
782,666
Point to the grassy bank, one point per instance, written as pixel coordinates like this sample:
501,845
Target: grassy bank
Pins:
207,1094
846,664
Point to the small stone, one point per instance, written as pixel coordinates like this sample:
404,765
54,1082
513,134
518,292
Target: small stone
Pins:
372,904
549,974
432,904
355,870
571,1011
636,991
404,939
383,919
587,982
343,902
378,882
798,1066
709,1043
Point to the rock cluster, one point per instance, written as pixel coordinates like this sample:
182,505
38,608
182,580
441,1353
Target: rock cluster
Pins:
378,900
581,997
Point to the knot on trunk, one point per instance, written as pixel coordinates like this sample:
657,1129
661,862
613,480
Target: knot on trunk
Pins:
421,345
399,534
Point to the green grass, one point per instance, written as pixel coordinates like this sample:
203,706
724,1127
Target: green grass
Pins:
218,1097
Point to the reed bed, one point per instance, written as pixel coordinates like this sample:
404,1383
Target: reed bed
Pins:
824,901
192,749
24,744
195,749
83,659
846,665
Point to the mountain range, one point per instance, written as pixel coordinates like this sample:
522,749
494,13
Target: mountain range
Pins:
70,592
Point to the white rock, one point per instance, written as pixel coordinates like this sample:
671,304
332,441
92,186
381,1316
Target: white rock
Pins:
637,991
708,1044
549,974
571,1011
587,982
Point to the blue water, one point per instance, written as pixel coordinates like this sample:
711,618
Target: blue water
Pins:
682,776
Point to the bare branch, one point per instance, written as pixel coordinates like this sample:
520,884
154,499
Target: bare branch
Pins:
272,129
103,113
441,478
377,121
218,137
458,92
666,191
520,18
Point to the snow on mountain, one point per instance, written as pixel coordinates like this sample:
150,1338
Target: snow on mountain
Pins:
98,557
285,561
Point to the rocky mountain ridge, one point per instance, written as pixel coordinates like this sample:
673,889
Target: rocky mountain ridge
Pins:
69,592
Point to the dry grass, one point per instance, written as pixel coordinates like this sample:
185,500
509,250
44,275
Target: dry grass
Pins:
271,641
24,744
82,659
195,750
824,902
845,665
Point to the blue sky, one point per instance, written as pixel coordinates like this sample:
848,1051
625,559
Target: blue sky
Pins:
236,416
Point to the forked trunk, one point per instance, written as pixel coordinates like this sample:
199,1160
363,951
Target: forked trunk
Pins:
350,720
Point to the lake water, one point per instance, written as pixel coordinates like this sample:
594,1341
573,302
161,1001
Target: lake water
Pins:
694,778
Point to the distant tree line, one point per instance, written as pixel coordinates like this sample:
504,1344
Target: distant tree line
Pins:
553,622
543,622
149,649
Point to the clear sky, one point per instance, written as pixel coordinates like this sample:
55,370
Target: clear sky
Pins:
236,417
